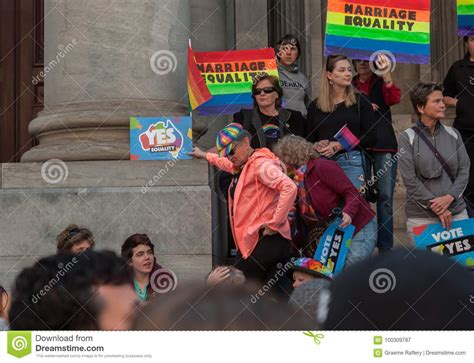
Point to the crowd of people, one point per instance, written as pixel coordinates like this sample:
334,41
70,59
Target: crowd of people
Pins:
286,175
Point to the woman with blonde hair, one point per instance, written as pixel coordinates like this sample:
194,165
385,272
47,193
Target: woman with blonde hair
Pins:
338,106
326,188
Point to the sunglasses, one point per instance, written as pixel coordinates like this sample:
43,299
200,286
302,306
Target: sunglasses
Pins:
266,90
72,232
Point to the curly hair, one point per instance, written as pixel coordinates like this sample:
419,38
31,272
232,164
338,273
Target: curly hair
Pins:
295,150
71,236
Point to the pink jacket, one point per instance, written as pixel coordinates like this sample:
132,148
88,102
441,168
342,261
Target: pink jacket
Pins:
263,195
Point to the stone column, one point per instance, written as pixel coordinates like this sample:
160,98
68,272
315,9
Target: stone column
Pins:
208,25
291,17
105,62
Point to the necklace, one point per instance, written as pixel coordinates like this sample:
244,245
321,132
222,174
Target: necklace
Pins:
142,294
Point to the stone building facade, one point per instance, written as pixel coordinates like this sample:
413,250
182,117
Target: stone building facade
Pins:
74,118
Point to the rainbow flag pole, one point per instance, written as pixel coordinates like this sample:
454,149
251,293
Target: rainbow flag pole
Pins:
198,92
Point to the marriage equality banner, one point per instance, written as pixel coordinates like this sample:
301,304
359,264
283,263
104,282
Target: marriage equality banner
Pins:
360,29
160,138
333,246
465,10
456,242
229,76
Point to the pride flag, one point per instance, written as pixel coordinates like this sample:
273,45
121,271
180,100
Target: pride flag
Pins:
359,28
465,17
347,139
229,75
197,90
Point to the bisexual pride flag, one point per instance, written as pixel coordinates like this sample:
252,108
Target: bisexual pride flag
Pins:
360,28
229,76
465,17
347,139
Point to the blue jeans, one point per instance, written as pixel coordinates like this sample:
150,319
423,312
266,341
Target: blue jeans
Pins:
385,174
351,163
363,244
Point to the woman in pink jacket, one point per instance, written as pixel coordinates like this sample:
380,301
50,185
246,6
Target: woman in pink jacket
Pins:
260,197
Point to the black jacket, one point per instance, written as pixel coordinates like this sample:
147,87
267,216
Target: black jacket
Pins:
459,83
385,139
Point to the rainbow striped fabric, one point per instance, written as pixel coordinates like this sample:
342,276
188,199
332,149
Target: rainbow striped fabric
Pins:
228,76
359,28
465,17
198,93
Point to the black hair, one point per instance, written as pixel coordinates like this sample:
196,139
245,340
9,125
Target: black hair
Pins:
417,290
420,93
59,292
288,39
133,241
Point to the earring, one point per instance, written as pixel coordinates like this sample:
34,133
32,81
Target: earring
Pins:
331,82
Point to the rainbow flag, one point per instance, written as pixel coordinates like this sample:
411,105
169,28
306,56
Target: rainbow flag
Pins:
359,28
229,75
347,139
198,92
465,17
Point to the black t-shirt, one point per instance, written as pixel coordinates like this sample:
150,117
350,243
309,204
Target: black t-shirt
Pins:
324,125
296,125
459,83
233,184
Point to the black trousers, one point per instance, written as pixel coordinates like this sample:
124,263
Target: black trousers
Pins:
269,264
468,138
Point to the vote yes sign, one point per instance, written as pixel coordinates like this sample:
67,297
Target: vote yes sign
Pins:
457,242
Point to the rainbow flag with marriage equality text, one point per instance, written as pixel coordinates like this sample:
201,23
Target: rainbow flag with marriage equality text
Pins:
465,17
359,28
228,76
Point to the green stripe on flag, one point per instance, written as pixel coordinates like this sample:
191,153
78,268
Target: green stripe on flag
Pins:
377,34
466,9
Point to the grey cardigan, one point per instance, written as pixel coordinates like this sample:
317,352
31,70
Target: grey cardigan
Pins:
423,174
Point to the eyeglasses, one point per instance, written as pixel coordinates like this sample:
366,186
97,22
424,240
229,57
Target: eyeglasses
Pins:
266,90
